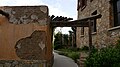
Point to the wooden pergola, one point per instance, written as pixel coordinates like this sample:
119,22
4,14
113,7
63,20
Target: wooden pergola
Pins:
85,22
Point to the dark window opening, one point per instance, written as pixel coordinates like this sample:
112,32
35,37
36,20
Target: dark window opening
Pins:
82,30
94,22
91,0
116,8
94,26
78,6
81,4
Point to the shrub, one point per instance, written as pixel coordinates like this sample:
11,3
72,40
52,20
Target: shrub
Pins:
74,55
105,57
85,48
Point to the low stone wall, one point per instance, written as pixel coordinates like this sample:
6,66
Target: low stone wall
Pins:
81,61
23,63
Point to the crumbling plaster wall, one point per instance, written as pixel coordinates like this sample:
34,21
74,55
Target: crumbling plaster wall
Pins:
27,14
22,23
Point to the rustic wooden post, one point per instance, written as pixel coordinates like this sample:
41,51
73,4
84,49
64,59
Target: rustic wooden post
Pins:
90,35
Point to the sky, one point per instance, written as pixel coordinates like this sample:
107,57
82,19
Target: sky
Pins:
66,8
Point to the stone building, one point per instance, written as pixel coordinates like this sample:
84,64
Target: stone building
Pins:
105,30
25,36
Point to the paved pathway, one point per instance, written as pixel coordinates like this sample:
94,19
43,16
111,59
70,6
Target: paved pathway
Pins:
62,61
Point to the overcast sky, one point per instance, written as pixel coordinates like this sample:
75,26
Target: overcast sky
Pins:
67,8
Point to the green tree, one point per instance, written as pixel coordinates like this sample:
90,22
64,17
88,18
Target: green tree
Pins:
58,41
65,39
70,38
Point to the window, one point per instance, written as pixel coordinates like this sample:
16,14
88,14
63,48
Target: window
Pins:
81,4
94,26
94,22
91,0
82,30
116,8
78,7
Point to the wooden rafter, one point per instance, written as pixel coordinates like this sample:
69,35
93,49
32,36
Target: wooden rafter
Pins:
76,23
60,18
69,24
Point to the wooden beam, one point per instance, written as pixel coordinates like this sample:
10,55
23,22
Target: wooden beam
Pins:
90,35
76,23
87,18
69,24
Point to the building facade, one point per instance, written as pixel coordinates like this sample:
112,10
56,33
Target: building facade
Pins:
105,30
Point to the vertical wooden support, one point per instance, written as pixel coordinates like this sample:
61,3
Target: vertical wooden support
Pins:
90,35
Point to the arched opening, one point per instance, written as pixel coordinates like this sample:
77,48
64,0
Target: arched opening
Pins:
66,22
64,37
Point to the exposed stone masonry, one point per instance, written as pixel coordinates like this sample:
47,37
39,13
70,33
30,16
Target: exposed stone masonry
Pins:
33,47
27,14
23,63
106,34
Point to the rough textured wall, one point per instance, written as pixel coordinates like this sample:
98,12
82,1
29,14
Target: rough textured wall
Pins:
32,47
19,39
105,35
27,14
23,63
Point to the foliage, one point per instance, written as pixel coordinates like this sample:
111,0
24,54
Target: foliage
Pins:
61,40
70,52
85,48
74,55
70,37
65,38
57,41
105,57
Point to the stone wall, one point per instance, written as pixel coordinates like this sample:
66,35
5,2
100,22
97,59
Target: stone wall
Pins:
23,63
27,14
105,34
26,34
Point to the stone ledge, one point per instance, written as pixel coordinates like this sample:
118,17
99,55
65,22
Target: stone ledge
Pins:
81,35
94,33
114,28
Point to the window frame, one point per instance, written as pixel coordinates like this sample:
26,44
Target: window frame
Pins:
115,14
82,31
94,27
91,0
94,21
81,4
